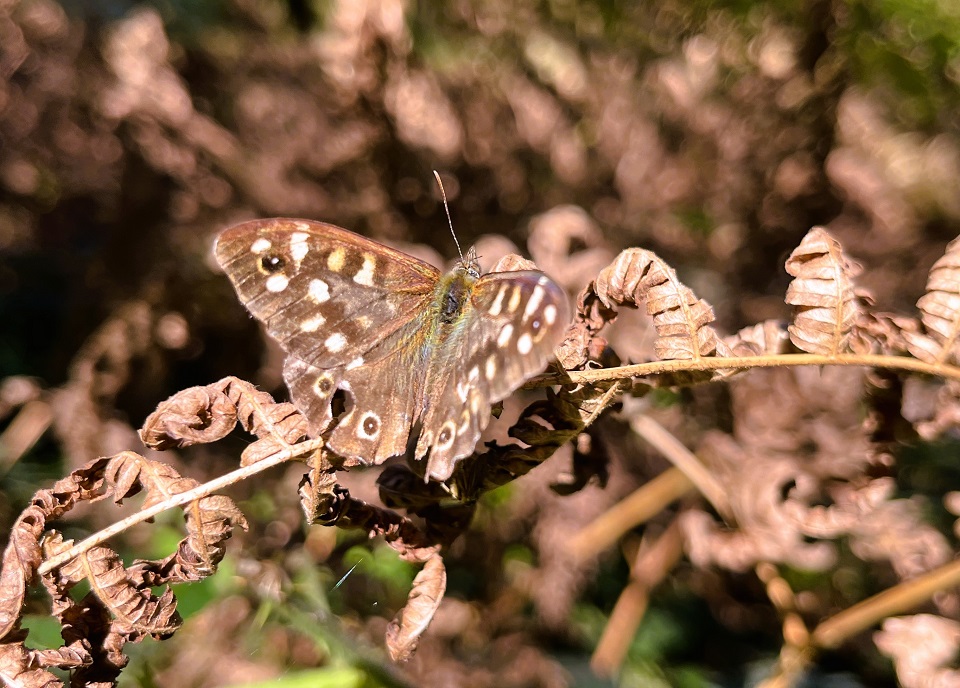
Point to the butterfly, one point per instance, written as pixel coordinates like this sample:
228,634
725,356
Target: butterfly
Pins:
421,355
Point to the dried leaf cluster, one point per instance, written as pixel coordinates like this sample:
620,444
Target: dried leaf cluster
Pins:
769,527
781,447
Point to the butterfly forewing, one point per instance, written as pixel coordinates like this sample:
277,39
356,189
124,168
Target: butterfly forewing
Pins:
413,349
326,294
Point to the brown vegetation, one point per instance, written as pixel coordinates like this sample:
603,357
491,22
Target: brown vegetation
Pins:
796,477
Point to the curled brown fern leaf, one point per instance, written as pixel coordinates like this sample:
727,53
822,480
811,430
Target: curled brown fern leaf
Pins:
680,318
823,295
405,630
940,312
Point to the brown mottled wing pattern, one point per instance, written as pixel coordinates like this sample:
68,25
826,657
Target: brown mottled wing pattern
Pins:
511,324
412,348
334,300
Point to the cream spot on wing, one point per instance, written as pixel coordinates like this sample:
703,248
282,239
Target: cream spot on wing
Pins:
313,324
514,300
448,432
550,314
505,335
534,303
364,321
318,290
491,367
335,342
298,247
464,422
498,302
474,404
277,283
365,275
302,226
260,245
525,343
355,363
462,389
474,374
336,258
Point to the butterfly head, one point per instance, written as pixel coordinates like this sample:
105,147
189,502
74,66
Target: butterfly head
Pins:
469,264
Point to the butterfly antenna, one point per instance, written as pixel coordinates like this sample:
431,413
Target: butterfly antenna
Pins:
447,208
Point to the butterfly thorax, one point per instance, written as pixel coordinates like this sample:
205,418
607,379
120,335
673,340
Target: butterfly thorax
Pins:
452,293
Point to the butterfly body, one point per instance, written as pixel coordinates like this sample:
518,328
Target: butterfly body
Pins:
421,354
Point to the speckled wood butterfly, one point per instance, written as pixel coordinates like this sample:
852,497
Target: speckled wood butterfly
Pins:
421,354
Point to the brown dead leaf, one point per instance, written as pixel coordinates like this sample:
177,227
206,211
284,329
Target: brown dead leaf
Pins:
823,294
940,312
18,667
20,561
411,622
922,647
260,415
209,521
130,472
680,318
209,413
22,556
767,338
195,415
137,613
317,489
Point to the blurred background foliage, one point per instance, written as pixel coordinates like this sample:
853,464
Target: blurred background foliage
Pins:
714,133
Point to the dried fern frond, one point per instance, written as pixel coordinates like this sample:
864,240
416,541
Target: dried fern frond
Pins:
680,318
404,631
120,607
766,338
823,294
209,413
940,312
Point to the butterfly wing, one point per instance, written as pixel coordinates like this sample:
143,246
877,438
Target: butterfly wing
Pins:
333,299
326,294
510,326
356,315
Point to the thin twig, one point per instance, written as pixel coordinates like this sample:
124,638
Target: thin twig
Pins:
684,459
640,506
744,362
204,490
796,655
28,426
903,597
651,565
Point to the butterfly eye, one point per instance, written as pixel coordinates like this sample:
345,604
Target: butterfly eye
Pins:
272,264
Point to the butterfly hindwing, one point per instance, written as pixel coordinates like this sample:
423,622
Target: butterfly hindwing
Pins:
385,399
